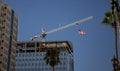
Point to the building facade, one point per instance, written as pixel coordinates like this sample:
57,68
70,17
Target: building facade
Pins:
8,37
30,56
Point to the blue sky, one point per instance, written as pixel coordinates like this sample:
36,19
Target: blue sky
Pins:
93,51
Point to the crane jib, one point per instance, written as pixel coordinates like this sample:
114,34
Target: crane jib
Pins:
63,27
69,25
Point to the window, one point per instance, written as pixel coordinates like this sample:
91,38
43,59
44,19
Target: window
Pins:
42,68
40,54
36,54
65,58
37,59
60,68
56,68
1,55
18,64
30,59
64,68
2,41
33,55
26,55
23,55
8,11
42,64
46,68
64,54
8,18
28,64
36,64
30,44
33,59
21,64
25,64
39,64
5,7
64,63
19,55
21,44
30,55
32,64
1,47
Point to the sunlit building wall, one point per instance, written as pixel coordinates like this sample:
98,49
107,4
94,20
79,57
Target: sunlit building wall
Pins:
8,37
30,56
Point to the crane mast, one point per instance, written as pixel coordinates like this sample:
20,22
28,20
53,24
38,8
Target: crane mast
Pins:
43,35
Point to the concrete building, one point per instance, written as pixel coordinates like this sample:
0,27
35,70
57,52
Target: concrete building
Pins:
30,56
8,37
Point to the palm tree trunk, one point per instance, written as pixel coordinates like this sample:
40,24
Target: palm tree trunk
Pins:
53,68
116,45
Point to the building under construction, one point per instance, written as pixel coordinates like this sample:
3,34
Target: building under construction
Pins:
30,56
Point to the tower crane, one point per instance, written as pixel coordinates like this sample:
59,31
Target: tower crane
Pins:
43,34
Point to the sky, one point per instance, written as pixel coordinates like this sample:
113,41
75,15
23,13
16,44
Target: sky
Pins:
93,51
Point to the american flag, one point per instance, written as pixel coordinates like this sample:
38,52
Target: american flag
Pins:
81,32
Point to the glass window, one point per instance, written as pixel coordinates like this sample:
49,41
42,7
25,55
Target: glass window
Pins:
30,44
64,68
29,54
42,68
30,59
32,64
8,11
43,64
8,17
28,64
23,55
36,54
19,55
33,59
64,63
40,54
26,54
64,54
46,68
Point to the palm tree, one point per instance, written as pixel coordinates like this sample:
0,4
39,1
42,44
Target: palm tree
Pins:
110,19
52,57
